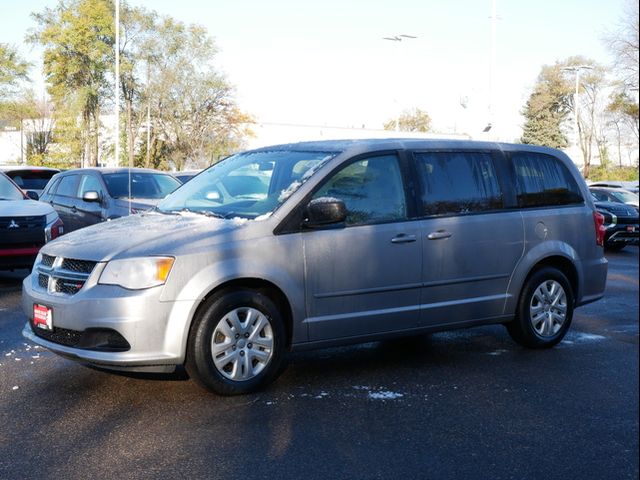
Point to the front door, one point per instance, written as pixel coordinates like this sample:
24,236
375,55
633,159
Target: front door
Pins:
364,278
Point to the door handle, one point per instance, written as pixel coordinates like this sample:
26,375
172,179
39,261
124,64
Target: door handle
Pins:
438,235
403,238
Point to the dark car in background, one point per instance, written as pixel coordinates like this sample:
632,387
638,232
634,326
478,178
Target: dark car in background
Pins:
30,177
87,196
25,226
621,224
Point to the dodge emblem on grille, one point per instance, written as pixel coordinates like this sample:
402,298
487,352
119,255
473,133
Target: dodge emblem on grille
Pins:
13,224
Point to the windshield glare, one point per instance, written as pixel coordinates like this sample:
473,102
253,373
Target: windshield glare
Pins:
246,185
8,191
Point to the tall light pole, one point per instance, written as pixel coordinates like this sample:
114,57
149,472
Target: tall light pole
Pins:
577,69
398,38
117,92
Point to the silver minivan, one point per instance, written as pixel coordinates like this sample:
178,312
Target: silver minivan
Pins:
323,243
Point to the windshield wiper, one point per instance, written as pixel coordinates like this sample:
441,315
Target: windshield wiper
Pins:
206,213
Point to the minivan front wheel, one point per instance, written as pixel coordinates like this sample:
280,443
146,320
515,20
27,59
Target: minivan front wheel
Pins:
237,344
545,310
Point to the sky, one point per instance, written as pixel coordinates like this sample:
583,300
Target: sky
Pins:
326,62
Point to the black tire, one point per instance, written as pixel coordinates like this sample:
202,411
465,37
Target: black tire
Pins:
615,247
200,362
522,328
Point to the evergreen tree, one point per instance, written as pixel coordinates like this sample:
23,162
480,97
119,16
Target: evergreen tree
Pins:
547,108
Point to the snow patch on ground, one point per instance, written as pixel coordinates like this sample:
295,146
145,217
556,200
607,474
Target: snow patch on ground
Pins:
498,352
385,395
582,337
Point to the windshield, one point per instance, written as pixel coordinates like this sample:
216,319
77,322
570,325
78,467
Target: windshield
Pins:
8,190
247,185
625,197
143,185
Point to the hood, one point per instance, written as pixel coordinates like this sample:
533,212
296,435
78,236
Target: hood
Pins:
618,209
24,208
137,203
145,234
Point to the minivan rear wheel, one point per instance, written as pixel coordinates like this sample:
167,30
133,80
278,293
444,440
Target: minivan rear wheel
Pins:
237,344
545,310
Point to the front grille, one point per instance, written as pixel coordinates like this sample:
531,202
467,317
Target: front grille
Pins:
22,223
47,260
80,266
65,276
62,336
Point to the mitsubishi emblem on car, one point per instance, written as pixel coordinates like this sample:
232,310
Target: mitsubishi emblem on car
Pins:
13,224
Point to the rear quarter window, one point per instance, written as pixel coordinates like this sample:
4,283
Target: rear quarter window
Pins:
543,181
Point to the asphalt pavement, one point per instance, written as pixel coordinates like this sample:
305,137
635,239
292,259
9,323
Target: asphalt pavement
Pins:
464,404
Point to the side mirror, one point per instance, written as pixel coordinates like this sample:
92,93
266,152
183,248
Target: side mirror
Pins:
91,196
32,195
325,211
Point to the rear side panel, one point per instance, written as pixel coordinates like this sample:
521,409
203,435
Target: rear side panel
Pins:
558,227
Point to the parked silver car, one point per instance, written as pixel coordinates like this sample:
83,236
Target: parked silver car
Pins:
316,244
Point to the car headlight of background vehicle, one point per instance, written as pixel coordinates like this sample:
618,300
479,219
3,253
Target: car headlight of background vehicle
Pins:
137,273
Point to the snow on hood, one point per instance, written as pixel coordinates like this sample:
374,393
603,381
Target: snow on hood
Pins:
24,208
162,234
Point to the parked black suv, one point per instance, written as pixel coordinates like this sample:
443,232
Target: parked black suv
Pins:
25,226
86,196
621,224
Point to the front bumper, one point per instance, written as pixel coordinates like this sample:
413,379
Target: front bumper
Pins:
15,258
154,330
627,234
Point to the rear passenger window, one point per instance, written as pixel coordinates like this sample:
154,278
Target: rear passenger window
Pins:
542,180
457,183
68,186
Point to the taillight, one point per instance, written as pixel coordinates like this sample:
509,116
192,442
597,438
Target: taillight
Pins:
54,230
598,223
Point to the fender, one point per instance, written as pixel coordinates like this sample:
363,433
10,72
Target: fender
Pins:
542,251
236,264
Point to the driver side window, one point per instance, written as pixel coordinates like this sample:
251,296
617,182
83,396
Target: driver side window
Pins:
371,190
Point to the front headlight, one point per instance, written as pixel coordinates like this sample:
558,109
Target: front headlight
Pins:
137,273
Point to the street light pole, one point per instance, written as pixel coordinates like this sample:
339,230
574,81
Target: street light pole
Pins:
398,38
577,69
117,92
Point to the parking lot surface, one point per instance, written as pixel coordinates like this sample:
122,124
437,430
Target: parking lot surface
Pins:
464,404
